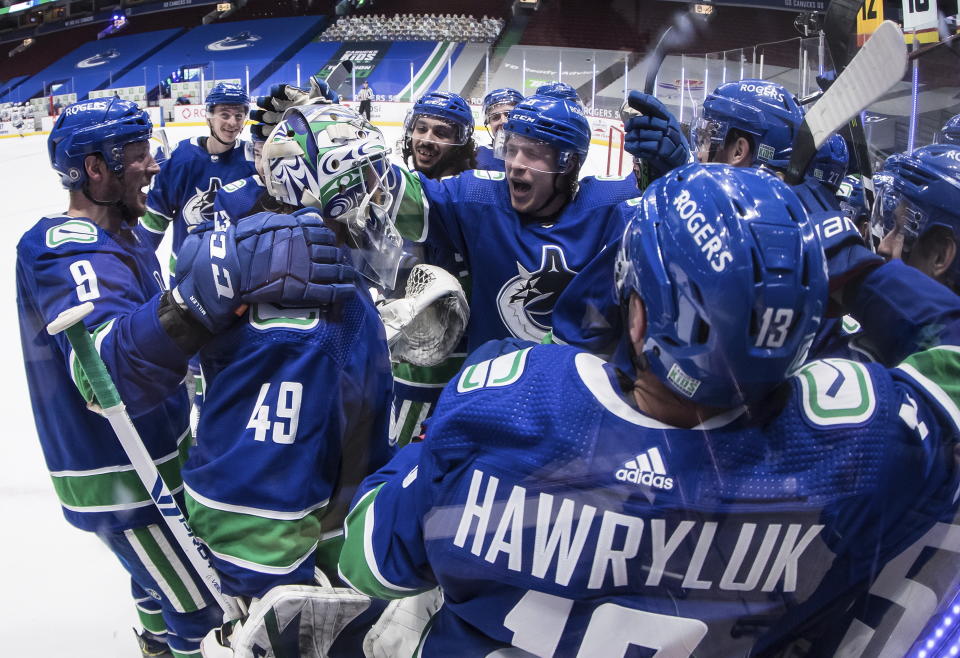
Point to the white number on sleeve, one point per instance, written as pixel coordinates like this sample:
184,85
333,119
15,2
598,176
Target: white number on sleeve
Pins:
86,280
287,411
773,327
538,619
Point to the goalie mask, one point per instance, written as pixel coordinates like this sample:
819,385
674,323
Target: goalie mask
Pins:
330,158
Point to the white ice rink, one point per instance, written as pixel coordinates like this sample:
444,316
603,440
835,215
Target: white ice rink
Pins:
63,592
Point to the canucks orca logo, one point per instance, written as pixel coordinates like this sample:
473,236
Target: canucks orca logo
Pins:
99,59
526,301
199,207
241,40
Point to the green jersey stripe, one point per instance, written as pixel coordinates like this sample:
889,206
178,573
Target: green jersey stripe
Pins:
412,215
116,488
169,575
362,571
932,372
252,542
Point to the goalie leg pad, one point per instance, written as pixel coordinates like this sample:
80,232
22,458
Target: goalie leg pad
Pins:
398,630
290,620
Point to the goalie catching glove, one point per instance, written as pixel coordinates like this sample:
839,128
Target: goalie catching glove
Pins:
425,326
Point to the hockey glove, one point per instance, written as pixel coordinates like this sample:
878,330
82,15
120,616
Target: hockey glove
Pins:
655,135
847,256
283,97
287,260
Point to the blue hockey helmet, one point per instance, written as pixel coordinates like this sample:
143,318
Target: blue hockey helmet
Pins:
226,93
950,133
830,163
102,126
919,191
502,96
853,203
710,232
552,121
446,106
766,111
560,90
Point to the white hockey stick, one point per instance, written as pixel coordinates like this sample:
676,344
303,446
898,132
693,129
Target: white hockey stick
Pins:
878,66
71,323
423,327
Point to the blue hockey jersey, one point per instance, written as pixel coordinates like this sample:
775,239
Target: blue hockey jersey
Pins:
560,520
61,262
518,266
244,197
295,414
486,160
183,192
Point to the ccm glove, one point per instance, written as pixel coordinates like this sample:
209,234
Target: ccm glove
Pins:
283,97
654,135
287,260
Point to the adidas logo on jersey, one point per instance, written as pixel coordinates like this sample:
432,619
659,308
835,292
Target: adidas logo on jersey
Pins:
646,468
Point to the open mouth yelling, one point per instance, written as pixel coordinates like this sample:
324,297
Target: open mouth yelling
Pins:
519,189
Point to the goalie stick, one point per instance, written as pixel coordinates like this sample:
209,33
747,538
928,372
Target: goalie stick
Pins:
681,33
878,66
111,406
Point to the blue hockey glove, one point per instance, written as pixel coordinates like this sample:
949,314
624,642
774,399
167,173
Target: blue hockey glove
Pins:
847,255
287,260
655,136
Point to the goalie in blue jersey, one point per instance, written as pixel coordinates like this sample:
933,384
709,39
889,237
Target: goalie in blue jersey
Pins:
96,251
714,497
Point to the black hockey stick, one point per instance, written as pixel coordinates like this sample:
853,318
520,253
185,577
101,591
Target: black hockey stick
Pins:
682,32
339,74
878,66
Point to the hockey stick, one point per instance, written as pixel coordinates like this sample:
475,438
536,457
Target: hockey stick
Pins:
681,33
878,66
839,28
339,74
71,323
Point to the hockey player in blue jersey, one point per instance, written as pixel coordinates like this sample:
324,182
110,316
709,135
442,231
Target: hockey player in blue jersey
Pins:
710,500
523,233
749,123
438,135
916,211
97,252
184,192
496,109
